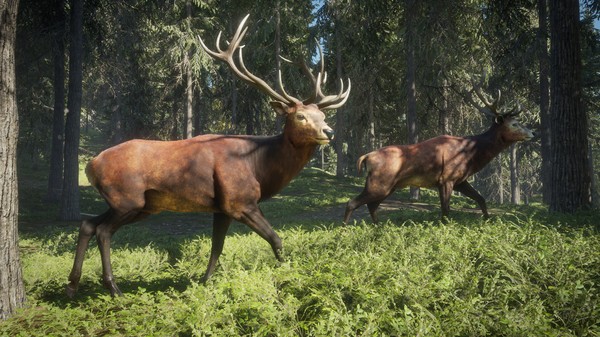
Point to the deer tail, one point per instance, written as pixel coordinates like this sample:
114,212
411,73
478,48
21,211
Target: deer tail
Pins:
359,163
89,172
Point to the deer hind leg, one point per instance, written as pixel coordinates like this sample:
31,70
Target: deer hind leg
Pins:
372,196
221,224
470,192
445,191
104,233
254,218
86,232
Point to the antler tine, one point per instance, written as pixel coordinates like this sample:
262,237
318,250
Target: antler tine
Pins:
336,101
331,101
306,70
258,82
489,108
283,92
242,72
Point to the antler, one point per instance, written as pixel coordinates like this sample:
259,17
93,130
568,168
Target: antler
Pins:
242,72
489,108
317,97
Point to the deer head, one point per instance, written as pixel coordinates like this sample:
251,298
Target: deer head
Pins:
507,119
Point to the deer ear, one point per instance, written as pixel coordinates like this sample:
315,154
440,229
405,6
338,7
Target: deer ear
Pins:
281,108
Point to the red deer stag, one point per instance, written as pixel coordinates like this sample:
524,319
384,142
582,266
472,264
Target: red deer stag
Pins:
444,162
225,175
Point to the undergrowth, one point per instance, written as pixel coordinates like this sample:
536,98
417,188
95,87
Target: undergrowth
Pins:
525,272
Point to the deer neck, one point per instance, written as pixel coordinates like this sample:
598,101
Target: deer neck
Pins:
280,162
488,145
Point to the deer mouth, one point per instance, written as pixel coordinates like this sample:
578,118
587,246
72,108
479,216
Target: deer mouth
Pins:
322,141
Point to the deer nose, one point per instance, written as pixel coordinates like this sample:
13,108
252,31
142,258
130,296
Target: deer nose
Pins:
329,133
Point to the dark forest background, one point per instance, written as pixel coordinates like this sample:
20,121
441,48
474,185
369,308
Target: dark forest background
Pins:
143,75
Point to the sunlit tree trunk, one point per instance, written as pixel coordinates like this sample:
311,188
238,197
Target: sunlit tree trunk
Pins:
340,116
70,200
542,37
12,291
570,175
55,178
371,119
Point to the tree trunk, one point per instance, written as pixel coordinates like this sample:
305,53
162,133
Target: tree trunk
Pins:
500,180
443,120
411,69
70,200
371,119
515,187
340,116
189,89
279,120
542,37
12,290
55,178
570,176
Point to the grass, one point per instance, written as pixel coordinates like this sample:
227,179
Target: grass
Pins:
525,272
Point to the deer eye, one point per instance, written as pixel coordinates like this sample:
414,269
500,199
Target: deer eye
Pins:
300,117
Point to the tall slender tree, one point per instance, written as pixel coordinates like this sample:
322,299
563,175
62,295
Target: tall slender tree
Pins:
70,200
12,291
571,181
55,178
411,70
542,48
189,88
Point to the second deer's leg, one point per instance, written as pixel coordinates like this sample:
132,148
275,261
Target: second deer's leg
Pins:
470,192
221,224
371,197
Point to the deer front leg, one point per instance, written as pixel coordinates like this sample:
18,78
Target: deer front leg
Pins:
254,218
470,192
221,224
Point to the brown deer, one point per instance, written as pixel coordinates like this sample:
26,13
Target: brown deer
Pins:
444,162
225,175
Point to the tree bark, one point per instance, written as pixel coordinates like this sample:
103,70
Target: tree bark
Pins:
70,201
515,187
340,116
570,176
189,89
546,152
411,94
12,290
443,120
55,178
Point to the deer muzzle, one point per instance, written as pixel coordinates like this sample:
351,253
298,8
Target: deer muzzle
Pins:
329,133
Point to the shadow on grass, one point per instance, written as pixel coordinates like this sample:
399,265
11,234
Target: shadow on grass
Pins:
54,293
